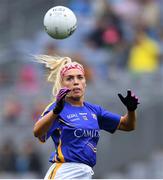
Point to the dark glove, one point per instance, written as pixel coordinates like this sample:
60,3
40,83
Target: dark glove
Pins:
60,100
130,101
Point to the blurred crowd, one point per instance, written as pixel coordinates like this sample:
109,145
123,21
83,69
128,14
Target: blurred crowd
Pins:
115,35
112,36
15,160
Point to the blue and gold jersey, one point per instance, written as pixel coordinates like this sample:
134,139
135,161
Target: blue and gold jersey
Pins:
75,132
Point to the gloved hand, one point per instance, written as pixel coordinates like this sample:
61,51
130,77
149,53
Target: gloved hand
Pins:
60,100
130,101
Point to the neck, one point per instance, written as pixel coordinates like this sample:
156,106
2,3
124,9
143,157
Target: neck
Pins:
75,101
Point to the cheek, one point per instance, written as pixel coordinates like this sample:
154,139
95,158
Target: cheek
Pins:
84,85
63,83
66,84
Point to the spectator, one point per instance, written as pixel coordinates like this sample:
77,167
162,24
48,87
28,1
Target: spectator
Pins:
143,56
28,81
36,109
28,160
51,49
8,157
150,16
81,7
4,78
161,47
96,57
12,110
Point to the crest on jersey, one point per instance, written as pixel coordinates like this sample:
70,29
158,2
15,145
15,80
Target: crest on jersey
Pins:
85,117
94,116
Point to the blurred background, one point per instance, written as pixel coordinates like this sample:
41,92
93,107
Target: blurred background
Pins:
120,43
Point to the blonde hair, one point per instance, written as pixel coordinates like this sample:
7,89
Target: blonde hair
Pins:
55,65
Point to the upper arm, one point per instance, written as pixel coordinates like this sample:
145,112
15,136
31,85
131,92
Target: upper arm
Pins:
108,121
44,127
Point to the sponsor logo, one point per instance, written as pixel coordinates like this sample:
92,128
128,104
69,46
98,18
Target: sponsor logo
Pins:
75,119
72,116
86,133
82,114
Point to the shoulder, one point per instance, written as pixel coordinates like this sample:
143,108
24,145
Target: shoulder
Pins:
49,107
94,107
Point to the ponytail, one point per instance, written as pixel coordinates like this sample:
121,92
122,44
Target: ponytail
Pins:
55,64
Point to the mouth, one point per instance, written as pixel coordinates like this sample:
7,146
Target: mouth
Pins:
76,90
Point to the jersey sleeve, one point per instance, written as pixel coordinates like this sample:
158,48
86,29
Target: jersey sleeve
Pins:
108,121
54,125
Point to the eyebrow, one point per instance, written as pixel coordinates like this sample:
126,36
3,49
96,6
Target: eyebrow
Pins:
74,75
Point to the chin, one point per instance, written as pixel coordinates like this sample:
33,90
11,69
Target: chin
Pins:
76,98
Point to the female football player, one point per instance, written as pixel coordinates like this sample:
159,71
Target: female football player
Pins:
74,124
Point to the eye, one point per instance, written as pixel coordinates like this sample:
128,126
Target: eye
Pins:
80,77
69,78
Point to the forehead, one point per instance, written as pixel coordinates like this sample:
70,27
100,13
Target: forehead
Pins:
73,72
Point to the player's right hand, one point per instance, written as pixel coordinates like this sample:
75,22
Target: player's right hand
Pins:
60,100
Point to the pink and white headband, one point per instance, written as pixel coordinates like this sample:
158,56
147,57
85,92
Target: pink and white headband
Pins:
69,66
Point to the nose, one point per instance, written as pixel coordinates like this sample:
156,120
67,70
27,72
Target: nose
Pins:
76,81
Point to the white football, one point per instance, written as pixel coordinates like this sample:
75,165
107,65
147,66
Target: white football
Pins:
60,22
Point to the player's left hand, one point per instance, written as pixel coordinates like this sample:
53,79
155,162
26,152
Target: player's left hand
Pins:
130,101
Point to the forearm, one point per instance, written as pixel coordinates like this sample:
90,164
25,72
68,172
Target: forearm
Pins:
128,121
42,126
